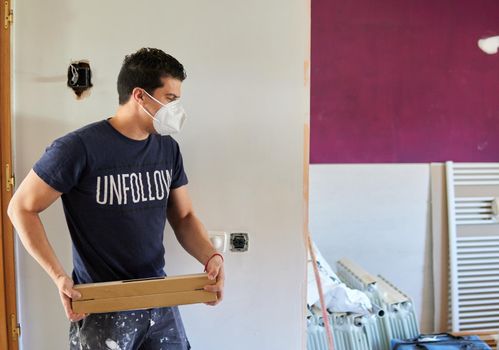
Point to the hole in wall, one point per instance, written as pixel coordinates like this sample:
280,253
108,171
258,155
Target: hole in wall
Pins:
80,78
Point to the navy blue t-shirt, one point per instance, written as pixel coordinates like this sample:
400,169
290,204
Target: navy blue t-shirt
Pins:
115,195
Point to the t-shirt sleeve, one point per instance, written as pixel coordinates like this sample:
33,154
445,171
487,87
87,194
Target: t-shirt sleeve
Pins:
62,163
179,178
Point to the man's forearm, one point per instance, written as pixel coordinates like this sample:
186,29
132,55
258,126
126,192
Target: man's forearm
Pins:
193,237
32,235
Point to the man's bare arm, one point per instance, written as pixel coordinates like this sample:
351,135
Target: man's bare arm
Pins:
188,229
32,197
193,237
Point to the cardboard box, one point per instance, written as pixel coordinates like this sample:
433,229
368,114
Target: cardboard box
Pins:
143,293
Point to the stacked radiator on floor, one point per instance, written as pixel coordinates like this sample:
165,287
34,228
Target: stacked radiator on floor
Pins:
393,315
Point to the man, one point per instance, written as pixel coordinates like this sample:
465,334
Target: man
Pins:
119,180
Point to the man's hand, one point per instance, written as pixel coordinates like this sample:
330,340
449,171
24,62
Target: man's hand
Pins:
215,270
67,293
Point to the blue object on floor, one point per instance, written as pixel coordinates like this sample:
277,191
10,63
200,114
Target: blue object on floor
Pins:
442,341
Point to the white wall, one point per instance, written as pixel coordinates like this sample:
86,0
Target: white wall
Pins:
378,216
242,146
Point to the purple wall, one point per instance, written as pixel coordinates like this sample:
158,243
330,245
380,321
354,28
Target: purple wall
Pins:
403,81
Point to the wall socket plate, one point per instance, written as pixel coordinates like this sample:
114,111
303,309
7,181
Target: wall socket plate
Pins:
239,242
219,240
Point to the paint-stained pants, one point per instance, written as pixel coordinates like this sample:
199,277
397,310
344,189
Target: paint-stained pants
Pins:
151,329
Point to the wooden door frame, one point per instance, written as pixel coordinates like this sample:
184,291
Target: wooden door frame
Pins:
8,307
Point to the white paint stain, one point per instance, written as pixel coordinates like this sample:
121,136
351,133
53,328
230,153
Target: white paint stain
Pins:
152,323
163,339
489,45
112,345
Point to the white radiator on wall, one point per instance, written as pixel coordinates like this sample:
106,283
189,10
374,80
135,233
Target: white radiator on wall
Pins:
472,192
474,210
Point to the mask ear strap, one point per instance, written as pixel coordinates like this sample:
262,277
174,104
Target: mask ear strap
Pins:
143,92
152,97
147,112
144,109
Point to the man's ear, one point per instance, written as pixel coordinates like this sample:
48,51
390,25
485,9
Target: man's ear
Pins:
138,95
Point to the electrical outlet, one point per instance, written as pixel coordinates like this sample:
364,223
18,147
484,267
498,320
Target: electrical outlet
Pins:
239,242
219,240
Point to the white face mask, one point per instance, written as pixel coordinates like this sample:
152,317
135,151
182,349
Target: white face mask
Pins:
169,118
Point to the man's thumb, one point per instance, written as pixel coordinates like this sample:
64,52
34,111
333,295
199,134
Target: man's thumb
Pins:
72,293
75,294
212,273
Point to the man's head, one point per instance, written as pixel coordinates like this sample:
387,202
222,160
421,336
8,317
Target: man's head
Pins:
148,80
146,69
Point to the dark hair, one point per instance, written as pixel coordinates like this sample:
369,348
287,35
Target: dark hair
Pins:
144,69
